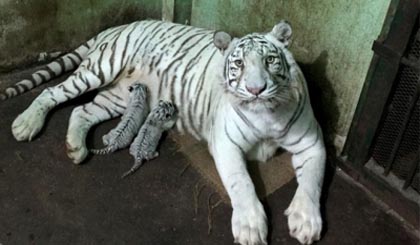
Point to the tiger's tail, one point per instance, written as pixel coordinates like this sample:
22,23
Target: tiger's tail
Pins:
65,63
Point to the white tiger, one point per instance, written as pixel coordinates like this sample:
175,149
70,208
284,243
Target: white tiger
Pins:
246,97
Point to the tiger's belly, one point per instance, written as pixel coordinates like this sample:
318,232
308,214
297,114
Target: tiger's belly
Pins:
193,92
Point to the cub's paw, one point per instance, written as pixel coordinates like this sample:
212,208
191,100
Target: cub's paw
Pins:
249,225
28,124
76,149
304,219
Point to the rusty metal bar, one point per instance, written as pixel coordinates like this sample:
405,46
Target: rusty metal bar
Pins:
413,168
411,105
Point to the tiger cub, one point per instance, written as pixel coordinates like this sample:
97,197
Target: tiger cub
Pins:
134,116
160,119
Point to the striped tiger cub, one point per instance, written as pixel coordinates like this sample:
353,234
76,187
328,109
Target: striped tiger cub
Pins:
159,120
134,116
246,97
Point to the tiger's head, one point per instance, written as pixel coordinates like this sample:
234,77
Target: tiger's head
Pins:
257,67
164,115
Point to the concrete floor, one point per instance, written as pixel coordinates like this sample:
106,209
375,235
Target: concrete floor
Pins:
45,199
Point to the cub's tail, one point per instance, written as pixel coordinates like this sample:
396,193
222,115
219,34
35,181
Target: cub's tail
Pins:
65,63
107,150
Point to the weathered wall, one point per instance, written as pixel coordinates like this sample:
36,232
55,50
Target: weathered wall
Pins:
332,39
28,27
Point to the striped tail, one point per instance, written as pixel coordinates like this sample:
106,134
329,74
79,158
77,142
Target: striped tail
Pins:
65,63
134,168
104,151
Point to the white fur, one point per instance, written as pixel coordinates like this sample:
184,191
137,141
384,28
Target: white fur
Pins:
253,130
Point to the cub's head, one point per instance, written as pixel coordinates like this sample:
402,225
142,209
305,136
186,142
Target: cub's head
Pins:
257,67
137,89
164,115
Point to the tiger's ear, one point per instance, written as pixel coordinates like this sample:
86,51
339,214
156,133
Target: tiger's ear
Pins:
222,40
282,32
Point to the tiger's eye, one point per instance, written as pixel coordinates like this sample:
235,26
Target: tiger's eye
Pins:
270,59
239,62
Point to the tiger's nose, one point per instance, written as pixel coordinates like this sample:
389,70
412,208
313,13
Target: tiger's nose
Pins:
256,90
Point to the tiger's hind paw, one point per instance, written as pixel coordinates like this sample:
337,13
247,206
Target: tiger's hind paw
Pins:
28,124
76,151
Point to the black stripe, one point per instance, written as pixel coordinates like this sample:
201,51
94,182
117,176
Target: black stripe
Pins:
32,80
164,72
201,119
100,74
209,102
231,140
115,95
187,39
303,163
54,100
145,35
254,130
65,90
191,123
75,53
310,146
86,82
22,87
79,91
85,45
111,59
202,78
242,133
86,111
103,108
73,62
62,65
125,47
118,105
296,114
50,72
106,34
183,101
106,97
43,78
196,58
301,137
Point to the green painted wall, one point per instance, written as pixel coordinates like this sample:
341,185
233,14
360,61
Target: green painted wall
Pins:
332,40
28,27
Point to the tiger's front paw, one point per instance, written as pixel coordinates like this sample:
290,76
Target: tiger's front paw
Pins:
28,124
304,219
249,225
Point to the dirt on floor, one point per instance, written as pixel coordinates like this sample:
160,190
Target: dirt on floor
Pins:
46,199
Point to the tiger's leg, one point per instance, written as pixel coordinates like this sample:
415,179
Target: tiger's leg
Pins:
249,222
107,104
30,122
304,217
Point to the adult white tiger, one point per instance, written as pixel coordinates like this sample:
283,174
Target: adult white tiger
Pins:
246,97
